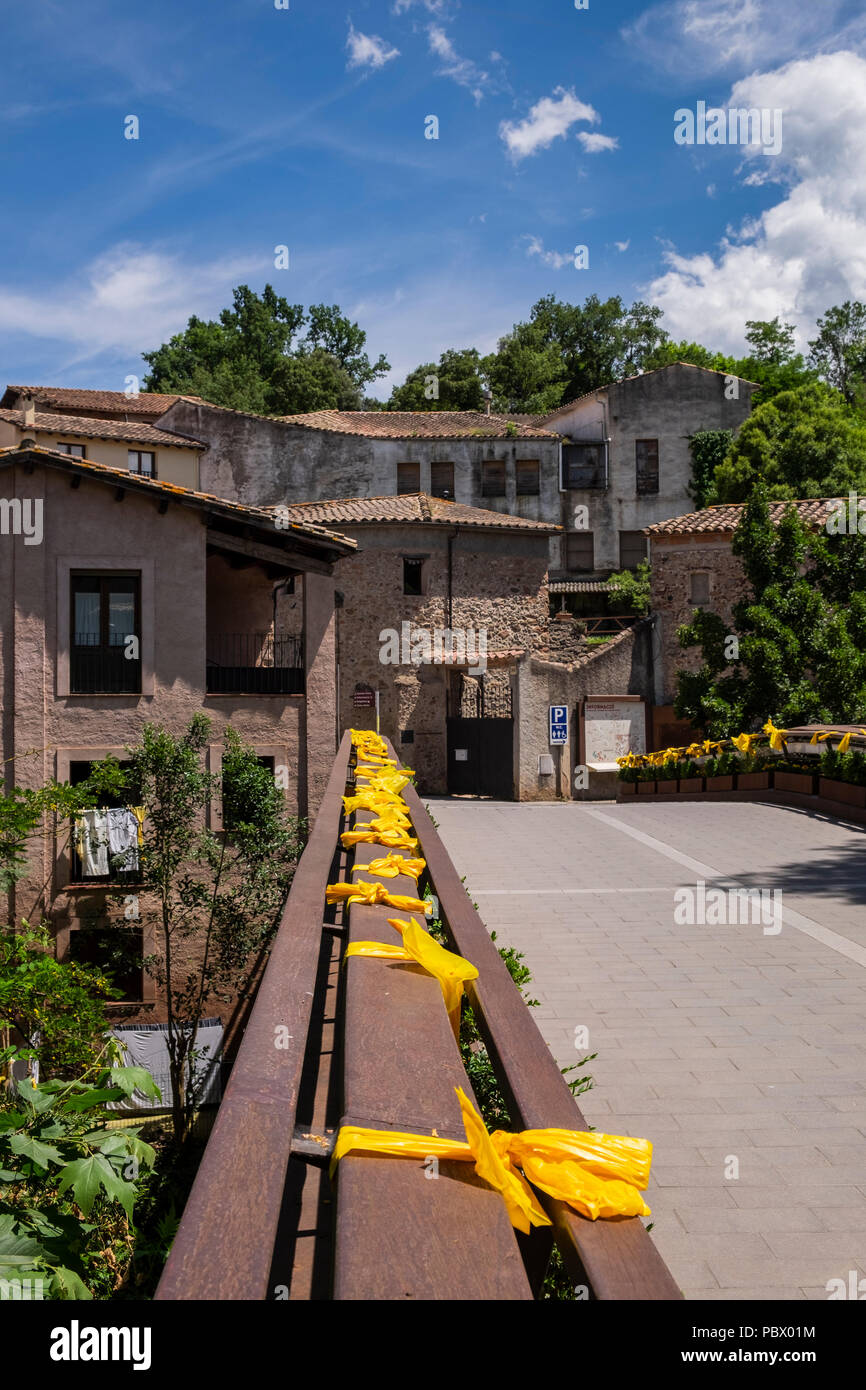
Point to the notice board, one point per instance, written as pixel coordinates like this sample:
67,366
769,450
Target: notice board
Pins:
613,725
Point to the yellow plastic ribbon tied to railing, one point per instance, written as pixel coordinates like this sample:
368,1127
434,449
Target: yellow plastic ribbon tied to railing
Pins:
391,866
599,1175
391,838
372,894
451,970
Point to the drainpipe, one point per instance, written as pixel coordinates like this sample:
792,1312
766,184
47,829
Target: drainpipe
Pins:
451,539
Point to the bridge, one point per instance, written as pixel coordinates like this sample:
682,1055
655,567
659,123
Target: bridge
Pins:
343,1040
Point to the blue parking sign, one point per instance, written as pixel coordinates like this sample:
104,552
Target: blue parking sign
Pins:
559,723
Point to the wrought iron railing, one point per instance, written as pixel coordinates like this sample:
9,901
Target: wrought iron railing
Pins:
255,663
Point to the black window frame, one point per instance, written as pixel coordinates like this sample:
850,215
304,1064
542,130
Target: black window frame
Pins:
646,467
139,454
436,488
74,451
413,564
103,655
580,476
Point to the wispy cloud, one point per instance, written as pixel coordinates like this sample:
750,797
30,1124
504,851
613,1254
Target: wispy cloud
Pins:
594,143
463,71
549,119
555,259
368,50
622,245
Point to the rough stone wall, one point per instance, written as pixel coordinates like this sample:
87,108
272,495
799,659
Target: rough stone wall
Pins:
668,406
499,582
674,560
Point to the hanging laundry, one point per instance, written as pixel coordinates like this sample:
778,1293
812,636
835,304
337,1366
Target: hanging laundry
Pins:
123,839
91,841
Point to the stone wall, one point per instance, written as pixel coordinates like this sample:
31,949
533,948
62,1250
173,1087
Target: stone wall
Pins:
674,560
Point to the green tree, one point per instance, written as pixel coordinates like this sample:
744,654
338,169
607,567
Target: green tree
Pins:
632,588
213,899
839,350
254,357
802,443
798,651
56,1006
708,449
454,383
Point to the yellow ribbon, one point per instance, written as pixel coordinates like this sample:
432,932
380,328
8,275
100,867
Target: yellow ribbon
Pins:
391,866
451,970
599,1175
391,838
372,894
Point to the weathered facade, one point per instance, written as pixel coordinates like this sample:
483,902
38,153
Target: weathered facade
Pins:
428,566
135,602
626,461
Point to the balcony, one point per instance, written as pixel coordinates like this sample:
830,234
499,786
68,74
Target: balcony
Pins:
96,669
254,663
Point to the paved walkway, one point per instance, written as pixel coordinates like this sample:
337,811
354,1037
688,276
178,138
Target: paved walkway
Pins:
740,1052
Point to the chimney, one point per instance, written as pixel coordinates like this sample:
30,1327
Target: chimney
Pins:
28,412
488,398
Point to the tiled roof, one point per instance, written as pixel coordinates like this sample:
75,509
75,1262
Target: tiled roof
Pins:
258,516
579,586
136,432
418,424
71,398
416,508
587,395
812,510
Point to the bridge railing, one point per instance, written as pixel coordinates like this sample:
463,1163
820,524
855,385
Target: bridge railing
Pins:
395,1233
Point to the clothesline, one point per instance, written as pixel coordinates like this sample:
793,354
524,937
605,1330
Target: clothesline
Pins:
109,833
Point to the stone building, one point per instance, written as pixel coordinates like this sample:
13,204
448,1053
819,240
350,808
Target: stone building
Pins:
626,461
487,461
474,581
127,601
694,567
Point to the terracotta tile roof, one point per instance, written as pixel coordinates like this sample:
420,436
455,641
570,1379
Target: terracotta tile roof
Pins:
416,508
71,398
587,395
812,510
418,424
579,586
136,432
263,517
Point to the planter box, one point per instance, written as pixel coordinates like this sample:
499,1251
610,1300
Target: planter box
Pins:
802,782
646,788
720,784
627,788
690,785
845,792
667,788
753,781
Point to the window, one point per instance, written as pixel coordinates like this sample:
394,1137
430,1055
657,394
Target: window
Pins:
413,575
493,478
583,465
143,462
699,588
117,951
94,853
646,457
408,478
579,551
527,478
442,480
76,451
632,549
105,634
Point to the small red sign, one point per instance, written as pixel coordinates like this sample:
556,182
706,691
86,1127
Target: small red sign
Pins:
363,699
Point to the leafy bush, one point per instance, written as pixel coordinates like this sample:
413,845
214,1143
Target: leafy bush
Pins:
55,1005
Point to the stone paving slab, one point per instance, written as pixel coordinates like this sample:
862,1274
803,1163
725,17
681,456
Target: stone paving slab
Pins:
732,1049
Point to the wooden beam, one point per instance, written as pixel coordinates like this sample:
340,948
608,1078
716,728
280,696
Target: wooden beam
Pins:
75,481
266,554
119,494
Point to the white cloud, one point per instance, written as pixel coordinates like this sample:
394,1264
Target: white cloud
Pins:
130,298
548,119
711,189
555,259
700,37
462,70
368,50
594,143
432,6
622,245
808,250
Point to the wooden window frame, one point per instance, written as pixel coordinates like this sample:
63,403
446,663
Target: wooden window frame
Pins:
644,478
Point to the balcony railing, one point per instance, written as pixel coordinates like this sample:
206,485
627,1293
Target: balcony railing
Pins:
254,663
99,670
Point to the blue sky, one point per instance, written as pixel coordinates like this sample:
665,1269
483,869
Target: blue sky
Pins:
305,127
